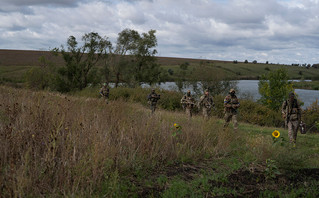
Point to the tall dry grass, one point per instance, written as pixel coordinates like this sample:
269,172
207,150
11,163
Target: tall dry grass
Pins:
60,145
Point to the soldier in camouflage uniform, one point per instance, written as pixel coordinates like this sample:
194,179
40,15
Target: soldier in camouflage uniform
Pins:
188,103
152,100
105,92
206,103
291,112
231,105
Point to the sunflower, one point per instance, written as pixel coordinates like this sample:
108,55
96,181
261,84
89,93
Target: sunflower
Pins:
177,126
276,134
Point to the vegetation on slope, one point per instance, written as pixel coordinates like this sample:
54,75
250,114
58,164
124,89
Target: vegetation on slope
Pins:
59,145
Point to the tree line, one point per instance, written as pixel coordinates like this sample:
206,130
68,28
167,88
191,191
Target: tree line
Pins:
95,59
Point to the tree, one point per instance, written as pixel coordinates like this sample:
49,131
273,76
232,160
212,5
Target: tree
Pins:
133,60
274,88
119,61
80,61
146,67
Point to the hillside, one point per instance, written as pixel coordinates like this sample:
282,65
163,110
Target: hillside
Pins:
60,145
14,63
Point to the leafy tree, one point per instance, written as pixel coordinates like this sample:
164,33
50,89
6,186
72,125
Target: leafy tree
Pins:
146,67
118,60
274,88
78,71
41,77
184,66
133,59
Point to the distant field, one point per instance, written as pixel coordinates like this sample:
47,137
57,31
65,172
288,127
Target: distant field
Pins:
14,63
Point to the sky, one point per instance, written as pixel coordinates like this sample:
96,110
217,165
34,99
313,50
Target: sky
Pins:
277,31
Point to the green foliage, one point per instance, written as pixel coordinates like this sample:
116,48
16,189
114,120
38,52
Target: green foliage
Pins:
170,71
41,77
271,170
80,61
311,116
36,78
274,88
184,66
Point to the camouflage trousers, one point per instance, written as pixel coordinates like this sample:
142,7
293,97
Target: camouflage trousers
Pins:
293,130
189,112
153,107
206,112
228,116
106,99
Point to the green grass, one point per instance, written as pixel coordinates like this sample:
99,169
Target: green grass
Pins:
63,145
314,85
13,73
239,70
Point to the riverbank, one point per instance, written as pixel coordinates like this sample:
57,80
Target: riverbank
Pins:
309,85
62,145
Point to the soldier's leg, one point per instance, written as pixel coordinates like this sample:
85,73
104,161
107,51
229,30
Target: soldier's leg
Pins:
227,119
205,113
235,123
294,130
188,112
290,132
153,107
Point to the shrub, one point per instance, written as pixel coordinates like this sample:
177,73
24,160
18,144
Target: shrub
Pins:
274,88
37,78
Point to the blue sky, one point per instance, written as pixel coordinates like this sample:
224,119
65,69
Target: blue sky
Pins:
278,31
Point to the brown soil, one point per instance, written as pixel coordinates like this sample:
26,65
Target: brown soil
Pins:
251,182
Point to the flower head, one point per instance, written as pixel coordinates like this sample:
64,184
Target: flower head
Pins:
276,134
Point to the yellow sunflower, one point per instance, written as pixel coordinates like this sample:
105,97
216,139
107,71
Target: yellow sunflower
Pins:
177,126
276,134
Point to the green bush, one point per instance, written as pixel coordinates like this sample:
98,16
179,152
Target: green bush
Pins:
311,115
37,78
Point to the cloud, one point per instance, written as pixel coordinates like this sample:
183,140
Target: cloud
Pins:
273,30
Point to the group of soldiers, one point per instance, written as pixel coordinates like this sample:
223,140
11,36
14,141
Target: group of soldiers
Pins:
206,103
291,110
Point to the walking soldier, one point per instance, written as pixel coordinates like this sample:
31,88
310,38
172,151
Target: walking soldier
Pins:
291,112
152,100
206,103
231,105
105,92
188,103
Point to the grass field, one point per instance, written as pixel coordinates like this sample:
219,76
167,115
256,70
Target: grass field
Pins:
60,145
14,64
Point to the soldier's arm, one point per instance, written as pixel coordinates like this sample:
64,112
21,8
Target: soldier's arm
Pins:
227,102
183,99
237,105
298,111
283,109
212,102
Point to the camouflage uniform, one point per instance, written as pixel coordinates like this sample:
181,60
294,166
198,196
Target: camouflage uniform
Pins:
105,92
231,105
188,103
152,100
292,114
207,103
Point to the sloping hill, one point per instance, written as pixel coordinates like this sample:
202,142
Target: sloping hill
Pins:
13,63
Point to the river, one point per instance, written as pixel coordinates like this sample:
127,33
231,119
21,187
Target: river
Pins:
249,89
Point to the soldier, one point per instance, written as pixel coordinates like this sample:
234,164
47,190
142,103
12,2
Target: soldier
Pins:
105,92
207,103
152,100
291,112
231,105
188,103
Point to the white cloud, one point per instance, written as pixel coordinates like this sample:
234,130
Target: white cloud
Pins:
273,30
